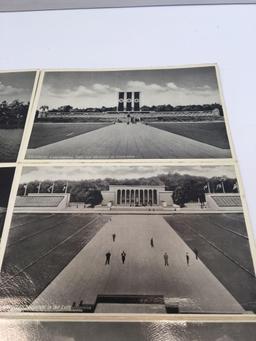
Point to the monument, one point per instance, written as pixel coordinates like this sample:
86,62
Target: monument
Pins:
128,101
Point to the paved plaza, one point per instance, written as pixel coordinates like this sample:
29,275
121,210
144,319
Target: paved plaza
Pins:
122,140
195,288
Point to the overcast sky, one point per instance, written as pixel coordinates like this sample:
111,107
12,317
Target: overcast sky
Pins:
95,89
16,85
117,172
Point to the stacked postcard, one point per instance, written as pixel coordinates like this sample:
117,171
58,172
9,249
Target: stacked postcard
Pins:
122,211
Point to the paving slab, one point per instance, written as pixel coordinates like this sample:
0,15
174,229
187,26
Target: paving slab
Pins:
144,273
133,141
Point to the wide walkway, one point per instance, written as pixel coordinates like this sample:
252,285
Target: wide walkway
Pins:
121,140
193,286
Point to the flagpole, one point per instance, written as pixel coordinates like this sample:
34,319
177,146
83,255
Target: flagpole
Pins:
209,188
52,187
66,190
39,187
222,184
25,192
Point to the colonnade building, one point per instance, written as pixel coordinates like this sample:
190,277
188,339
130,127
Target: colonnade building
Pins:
132,195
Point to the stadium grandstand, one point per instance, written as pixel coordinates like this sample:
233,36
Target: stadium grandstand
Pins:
227,202
224,201
42,201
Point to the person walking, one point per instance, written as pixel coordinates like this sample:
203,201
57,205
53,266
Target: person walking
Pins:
166,263
152,242
196,253
108,255
123,256
114,237
187,258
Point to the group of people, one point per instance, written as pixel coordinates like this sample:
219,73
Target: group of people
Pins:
166,256
108,254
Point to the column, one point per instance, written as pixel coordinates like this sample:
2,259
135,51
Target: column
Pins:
123,196
150,197
136,201
145,196
155,196
141,197
127,197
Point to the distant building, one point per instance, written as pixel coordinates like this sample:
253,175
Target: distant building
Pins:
132,195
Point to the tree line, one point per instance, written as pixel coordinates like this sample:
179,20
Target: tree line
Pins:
186,188
157,108
13,114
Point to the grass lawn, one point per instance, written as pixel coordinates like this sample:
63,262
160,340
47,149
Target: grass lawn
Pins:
221,250
213,133
38,250
47,133
10,140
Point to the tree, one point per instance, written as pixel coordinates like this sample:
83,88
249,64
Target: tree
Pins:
201,197
44,108
179,196
93,198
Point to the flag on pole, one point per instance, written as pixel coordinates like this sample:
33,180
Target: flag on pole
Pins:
25,186
218,186
38,187
235,186
65,188
205,188
51,188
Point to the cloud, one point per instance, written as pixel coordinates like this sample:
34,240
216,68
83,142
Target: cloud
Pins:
80,91
142,86
8,90
172,86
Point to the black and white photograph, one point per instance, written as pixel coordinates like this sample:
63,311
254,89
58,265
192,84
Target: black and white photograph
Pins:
25,330
128,239
15,96
6,178
130,114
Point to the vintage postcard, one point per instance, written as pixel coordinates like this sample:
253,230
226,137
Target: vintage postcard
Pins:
16,94
172,113
40,330
154,239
